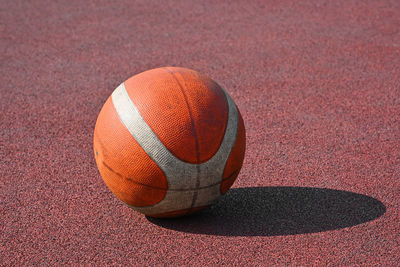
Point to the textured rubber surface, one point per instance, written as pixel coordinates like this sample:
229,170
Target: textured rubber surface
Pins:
317,83
185,107
125,167
187,111
235,160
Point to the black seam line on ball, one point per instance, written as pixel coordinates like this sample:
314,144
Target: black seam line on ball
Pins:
195,194
233,173
181,87
155,187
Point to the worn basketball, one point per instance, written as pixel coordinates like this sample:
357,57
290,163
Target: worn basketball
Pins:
169,141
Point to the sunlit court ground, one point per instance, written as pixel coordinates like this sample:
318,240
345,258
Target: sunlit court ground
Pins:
318,87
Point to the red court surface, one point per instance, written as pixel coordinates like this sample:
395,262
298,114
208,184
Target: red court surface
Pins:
318,86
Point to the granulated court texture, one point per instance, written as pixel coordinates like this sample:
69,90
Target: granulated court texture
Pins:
318,86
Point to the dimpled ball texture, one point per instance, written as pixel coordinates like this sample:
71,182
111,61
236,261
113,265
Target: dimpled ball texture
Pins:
169,141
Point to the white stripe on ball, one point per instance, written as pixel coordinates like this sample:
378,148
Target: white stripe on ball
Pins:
189,185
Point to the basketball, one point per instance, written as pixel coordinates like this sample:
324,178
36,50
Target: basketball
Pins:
169,141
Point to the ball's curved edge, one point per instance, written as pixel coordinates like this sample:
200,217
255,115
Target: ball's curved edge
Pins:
178,213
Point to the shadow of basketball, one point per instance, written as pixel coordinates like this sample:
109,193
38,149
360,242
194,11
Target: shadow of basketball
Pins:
272,211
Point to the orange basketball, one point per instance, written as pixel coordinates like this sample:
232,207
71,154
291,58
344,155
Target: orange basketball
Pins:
169,142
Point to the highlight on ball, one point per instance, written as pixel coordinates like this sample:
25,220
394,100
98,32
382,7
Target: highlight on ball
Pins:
169,141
